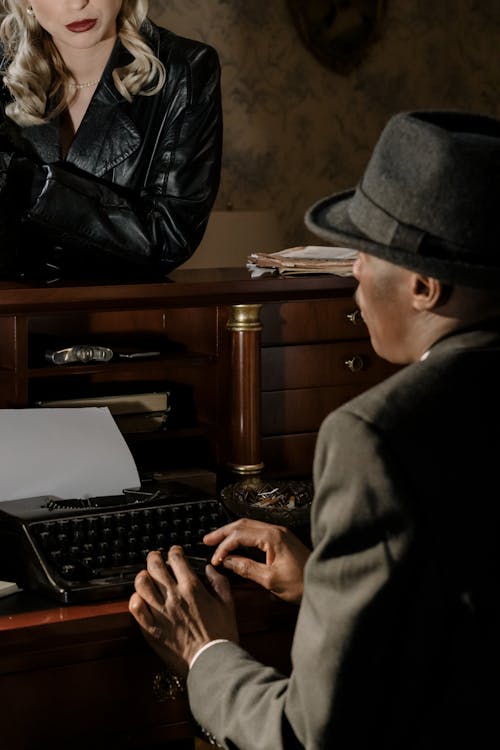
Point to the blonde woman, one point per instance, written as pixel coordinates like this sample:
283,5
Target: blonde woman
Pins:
110,140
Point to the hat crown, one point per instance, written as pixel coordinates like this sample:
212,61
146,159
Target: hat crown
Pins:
439,173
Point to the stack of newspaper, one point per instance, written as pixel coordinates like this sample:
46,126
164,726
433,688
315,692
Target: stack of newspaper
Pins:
304,260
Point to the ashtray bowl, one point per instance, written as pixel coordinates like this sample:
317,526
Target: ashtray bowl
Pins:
283,502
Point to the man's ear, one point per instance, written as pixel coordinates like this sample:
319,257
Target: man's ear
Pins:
428,292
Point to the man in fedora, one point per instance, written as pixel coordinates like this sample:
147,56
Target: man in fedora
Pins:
396,643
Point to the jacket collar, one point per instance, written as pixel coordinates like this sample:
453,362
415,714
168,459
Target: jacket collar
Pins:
97,149
475,336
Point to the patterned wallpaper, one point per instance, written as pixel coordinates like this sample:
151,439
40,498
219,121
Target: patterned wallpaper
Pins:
295,130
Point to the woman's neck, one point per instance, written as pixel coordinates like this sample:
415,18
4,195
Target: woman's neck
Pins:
87,65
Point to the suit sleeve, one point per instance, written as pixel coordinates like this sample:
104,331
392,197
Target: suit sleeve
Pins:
93,224
360,536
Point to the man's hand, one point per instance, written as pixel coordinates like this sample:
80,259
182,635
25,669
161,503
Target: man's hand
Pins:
176,611
286,556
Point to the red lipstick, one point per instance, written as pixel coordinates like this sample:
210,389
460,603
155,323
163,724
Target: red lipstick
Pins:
78,27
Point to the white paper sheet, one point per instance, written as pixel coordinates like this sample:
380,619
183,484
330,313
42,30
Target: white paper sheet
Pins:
69,453
318,252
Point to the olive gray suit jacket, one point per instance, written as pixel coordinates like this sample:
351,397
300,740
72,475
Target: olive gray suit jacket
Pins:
398,629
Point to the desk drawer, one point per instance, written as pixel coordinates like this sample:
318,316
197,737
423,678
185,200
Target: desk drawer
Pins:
302,409
318,365
320,320
106,703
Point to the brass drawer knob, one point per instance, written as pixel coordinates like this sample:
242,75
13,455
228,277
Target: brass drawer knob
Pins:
167,686
355,364
354,318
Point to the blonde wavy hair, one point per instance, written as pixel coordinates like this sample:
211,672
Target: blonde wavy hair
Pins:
40,82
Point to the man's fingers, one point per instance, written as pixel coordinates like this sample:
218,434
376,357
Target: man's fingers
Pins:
151,593
151,631
158,571
180,566
140,610
244,531
243,537
137,607
247,568
220,585
216,536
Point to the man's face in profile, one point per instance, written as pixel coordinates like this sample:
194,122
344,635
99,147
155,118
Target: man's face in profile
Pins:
384,299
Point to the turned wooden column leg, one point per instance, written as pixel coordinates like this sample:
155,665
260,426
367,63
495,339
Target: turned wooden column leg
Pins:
245,448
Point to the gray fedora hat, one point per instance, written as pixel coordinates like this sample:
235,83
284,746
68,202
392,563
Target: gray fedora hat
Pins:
429,199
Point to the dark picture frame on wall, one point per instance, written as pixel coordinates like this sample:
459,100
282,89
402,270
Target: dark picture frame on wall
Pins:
338,32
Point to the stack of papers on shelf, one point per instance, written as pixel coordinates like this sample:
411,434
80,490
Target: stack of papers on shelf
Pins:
132,412
304,260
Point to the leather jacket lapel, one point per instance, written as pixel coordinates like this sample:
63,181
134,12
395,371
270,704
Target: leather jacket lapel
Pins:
118,136
98,151
94,150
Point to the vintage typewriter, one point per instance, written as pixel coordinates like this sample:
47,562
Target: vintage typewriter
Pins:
91,549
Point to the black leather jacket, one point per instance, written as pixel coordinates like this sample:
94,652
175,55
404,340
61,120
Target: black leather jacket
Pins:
134,192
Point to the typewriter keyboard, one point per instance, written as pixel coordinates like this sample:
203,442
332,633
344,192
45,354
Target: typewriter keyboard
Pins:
100,553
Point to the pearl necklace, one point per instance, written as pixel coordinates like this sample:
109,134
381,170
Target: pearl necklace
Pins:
84,85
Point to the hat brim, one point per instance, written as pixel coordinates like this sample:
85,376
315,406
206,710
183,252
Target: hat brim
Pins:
329,219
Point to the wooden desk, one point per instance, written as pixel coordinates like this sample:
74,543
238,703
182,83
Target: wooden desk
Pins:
82,677
255,364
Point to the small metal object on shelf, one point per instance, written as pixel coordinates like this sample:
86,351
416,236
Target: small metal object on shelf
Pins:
136,355
81,353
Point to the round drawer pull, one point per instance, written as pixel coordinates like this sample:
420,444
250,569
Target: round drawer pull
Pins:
355,318
167,686
355,364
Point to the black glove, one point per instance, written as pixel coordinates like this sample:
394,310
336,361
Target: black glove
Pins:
8,148
24,183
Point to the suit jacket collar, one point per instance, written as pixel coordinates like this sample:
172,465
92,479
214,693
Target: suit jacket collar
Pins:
476,336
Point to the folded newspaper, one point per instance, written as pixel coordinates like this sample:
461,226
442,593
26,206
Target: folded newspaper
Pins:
305,260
